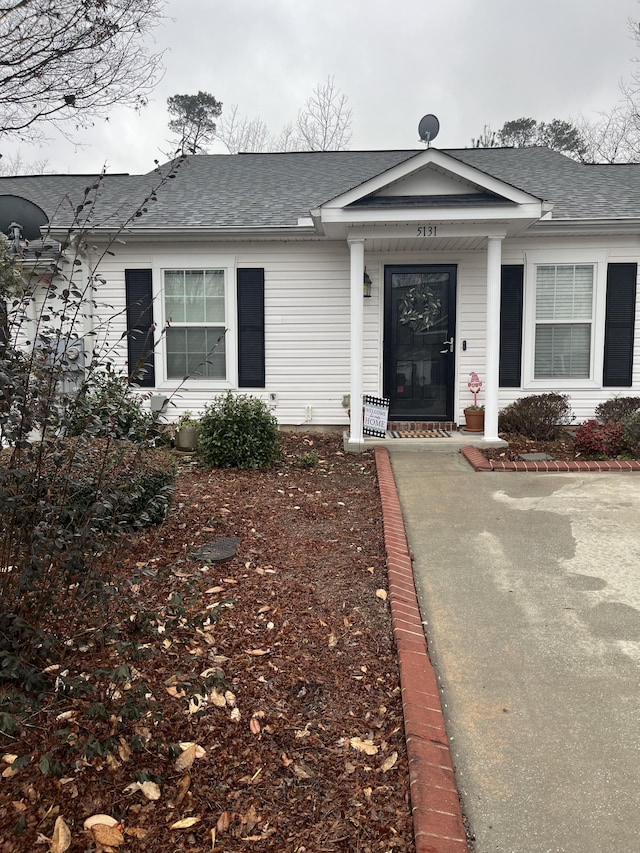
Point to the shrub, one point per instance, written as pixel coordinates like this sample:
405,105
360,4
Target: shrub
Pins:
86,493
308,460
239,432
631,435
108,407
599,440
539,416
617,409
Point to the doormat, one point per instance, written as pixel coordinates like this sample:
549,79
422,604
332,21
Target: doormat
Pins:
419,433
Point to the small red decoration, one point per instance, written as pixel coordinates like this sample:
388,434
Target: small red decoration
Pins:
475,386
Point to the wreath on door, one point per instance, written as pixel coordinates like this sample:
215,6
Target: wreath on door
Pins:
419,308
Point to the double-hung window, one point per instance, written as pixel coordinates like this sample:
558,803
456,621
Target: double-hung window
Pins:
194,305
564,320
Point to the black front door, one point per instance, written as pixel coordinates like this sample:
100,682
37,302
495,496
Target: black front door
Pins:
419,360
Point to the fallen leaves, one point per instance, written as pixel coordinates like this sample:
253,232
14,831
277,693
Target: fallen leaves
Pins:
185,823
150,790
297,701
61,838
184,761
366,746
389,762
108,836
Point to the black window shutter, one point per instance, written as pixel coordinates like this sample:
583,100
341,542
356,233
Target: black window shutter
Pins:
4,322
251,371
511,308
620,319
140,337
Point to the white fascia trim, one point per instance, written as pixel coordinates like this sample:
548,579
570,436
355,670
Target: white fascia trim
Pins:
445,162
198,232
560,227
423,214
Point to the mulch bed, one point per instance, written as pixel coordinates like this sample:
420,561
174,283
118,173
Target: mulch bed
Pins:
302,736
560,450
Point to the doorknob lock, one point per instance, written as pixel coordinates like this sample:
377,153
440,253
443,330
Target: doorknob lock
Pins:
448,344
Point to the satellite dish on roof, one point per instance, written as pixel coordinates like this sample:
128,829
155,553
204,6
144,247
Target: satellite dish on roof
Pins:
428,128
17,210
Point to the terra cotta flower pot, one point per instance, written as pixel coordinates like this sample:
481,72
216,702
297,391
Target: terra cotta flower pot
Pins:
474,420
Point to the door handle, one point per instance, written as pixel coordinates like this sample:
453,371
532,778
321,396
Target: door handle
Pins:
448,344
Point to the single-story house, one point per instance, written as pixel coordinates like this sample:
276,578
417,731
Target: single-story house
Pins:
310,279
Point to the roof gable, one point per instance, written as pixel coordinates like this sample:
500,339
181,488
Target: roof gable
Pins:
431,173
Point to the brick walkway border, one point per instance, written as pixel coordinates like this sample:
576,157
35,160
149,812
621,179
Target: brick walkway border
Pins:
435,805
479,462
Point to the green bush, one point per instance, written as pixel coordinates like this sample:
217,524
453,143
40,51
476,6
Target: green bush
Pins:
133,489
539,416
617,409
86,493
239,432
631,435
308,460
108,407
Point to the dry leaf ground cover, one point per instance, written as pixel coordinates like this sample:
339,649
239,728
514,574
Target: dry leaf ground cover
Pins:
248,705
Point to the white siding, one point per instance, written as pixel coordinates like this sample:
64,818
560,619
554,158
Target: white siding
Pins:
306,322
307,325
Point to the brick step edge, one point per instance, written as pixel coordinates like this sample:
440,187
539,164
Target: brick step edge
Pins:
435,805
479,462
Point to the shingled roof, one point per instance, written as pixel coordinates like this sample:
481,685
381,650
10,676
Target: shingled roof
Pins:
275,190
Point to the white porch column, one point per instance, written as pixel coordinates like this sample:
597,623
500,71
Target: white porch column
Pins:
356,252
494,260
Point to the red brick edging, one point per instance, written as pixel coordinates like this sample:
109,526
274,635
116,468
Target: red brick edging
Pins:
479,462
435,806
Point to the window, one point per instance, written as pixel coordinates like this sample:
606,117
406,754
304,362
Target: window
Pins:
564,318
194,303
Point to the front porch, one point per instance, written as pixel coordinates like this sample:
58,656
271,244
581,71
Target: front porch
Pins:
426,239
449,441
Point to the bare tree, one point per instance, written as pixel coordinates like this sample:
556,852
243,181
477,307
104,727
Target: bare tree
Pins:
65,62
613,137
487,139
324,123
287,140
239,133
15,165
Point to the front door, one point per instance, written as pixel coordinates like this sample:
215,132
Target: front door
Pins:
419,360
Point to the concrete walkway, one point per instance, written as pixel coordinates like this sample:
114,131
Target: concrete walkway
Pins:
529,585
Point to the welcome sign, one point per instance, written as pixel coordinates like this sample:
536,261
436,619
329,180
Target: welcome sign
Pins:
376,415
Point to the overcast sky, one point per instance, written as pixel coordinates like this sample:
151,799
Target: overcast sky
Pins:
470,62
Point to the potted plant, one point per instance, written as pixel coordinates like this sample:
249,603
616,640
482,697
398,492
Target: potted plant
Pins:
186,437
474,414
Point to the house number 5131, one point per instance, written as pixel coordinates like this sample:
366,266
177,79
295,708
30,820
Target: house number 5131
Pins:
427,230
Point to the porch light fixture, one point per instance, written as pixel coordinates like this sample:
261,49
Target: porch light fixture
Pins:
366,286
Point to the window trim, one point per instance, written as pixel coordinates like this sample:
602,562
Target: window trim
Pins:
226,263
564,257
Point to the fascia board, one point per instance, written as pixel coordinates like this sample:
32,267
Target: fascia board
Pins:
194,233
464,214
629,225
443,161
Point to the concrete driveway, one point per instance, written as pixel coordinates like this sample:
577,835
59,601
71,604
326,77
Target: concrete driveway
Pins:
529,585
